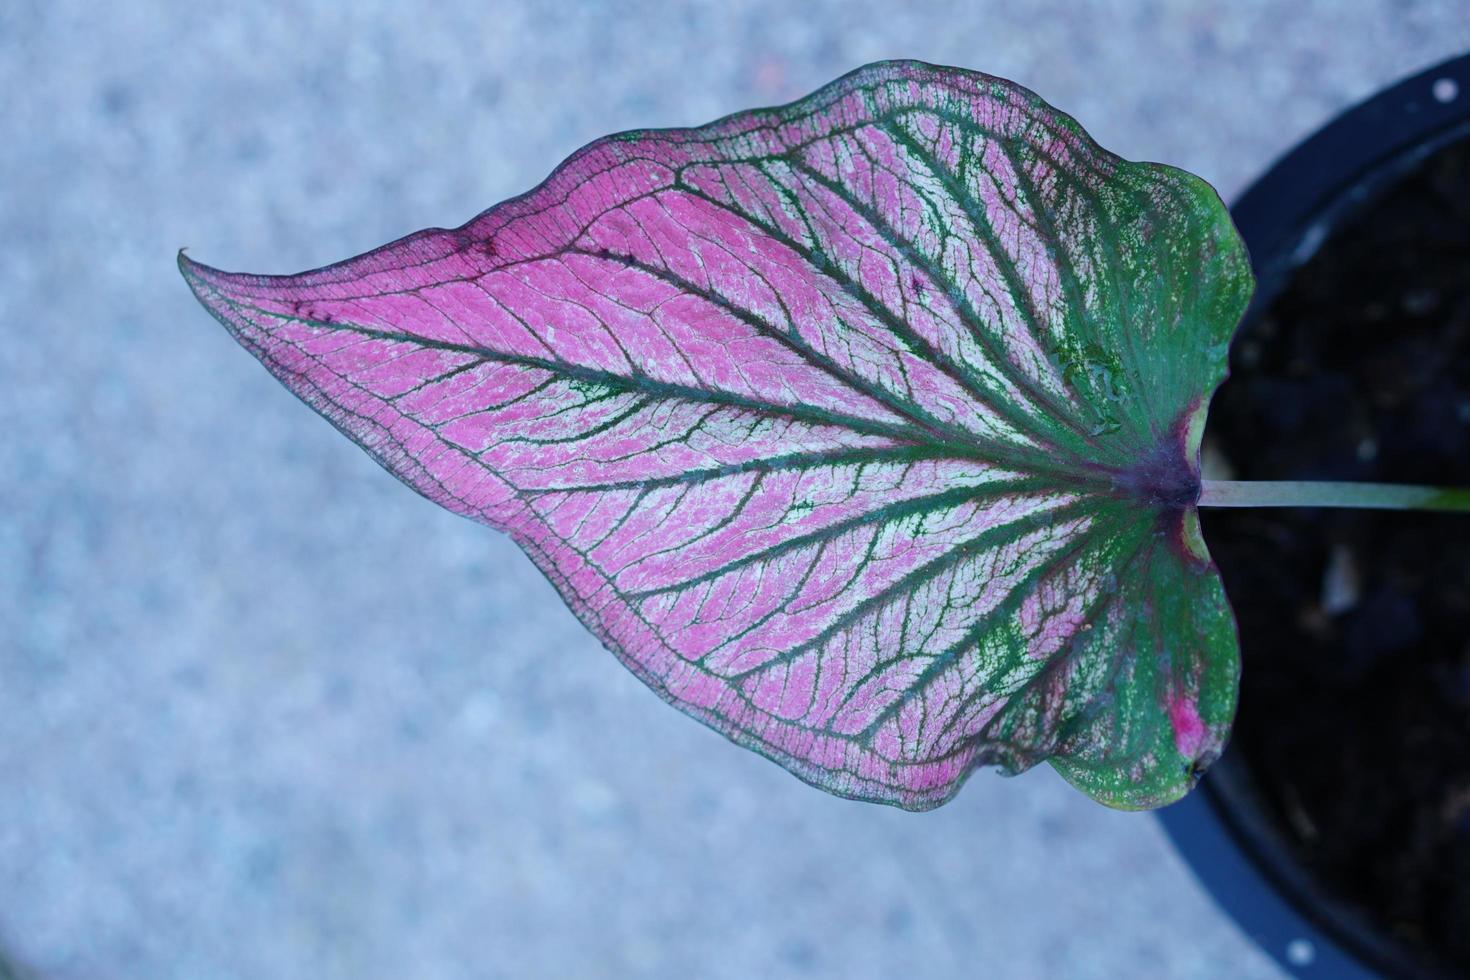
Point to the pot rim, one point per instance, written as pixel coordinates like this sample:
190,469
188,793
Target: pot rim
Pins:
1234,851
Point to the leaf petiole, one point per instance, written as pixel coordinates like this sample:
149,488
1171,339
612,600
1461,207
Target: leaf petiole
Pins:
1310,493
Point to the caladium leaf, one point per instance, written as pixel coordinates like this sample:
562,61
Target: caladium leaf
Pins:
865,430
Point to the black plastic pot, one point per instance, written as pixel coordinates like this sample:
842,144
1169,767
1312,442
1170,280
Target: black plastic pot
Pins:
1233,843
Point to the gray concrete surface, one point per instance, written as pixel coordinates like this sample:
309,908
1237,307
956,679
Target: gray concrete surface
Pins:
265,713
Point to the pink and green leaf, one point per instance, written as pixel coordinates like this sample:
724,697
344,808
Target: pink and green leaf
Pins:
865,430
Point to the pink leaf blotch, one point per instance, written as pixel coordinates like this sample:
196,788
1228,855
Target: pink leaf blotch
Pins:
858,429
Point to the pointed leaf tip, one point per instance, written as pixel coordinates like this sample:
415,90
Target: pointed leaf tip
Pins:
201,279
844,425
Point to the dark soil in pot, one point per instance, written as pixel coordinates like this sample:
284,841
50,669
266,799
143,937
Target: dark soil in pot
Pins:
1354,720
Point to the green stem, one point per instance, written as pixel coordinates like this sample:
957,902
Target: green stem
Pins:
1301,493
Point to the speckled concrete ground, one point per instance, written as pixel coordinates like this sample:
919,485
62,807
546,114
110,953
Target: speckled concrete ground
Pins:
265,713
